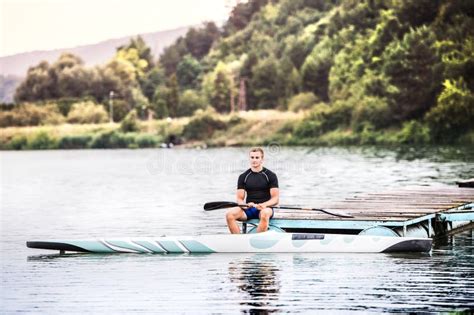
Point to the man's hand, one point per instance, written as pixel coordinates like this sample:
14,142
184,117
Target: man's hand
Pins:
260,207
251,204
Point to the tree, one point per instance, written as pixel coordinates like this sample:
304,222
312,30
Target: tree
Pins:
160,101
171,56
152,80
414,68
173,96
242,14
267,84
38,84
454,113
315,70
221,92
199,41
143,53
189,102
188,72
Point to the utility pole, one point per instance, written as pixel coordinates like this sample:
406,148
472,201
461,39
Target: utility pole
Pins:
111,106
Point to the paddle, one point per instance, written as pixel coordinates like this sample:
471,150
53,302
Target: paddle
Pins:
216,205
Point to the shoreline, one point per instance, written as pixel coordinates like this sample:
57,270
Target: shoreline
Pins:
204,129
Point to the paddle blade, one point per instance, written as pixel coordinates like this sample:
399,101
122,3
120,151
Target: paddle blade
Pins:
215,205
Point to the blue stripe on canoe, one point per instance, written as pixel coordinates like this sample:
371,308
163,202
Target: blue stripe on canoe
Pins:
196,247
149,245
170,246
92,246
126,245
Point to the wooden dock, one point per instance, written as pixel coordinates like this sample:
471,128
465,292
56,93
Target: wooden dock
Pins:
428,211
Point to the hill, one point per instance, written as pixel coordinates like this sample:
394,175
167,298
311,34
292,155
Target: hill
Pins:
93,54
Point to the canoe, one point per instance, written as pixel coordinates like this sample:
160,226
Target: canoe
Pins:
267,242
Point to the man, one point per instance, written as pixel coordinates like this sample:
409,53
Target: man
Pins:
259,187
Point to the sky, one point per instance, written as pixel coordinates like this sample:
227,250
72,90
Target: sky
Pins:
28,25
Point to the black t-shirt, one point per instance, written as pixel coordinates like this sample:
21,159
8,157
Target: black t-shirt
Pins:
257,184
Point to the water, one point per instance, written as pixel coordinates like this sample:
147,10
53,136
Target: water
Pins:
83,194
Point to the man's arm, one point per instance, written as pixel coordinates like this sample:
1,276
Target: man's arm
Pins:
240,196
275,198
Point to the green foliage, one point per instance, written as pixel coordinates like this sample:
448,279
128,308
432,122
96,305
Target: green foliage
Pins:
371,110
152,80
173,95
323,118
147,141
376,65
31,115
203,125
266,84
41,141
112,140
242,14
414,68
75,142
414,132
130,122
87,113
315,70
121,109
454,113
18,143
188,72
140,103
220,94
189,102
199,41
302,101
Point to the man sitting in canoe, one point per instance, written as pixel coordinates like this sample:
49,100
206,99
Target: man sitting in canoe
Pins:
259,186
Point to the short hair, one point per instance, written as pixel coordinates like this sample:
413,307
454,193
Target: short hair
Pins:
257,149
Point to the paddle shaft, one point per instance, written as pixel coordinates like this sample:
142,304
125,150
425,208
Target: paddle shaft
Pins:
228,204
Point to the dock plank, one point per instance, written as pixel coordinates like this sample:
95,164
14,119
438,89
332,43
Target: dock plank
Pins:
395,205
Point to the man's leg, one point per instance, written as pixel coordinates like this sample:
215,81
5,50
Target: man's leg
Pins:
265,216
232,216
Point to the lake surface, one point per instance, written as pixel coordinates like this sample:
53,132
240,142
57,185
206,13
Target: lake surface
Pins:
106,193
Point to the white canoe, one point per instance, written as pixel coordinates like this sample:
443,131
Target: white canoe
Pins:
267,242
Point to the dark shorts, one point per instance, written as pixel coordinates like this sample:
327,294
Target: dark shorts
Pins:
253,213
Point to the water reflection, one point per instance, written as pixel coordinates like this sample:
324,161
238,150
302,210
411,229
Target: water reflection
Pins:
258,278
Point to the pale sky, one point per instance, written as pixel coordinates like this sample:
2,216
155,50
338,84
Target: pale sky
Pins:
28,25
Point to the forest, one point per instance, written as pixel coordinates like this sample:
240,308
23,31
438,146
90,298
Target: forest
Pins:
312,71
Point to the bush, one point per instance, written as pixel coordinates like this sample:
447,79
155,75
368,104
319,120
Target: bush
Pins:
74,142
130,123
203,125
65,104
189,102
372,110
324,118
302,101
17,143
87,113
113,140
454,113
147,141
413,132
42,141
31,115
120,109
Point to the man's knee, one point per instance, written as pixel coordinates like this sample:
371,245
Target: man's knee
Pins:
233,214
265,214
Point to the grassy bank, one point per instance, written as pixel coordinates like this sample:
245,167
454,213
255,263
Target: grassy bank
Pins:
206,128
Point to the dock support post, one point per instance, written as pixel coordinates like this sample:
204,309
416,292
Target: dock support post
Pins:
404,230
244,228
430,229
